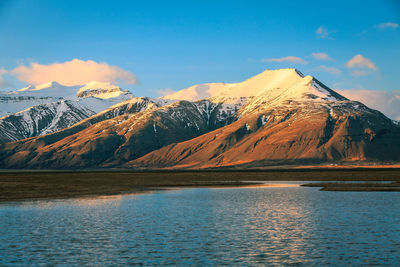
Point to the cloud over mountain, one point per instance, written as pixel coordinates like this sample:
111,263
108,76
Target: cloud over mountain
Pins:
291,59
73,72
387,102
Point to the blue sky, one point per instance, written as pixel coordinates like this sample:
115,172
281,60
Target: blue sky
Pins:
175,44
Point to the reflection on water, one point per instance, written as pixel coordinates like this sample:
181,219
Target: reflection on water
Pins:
258,185
206,226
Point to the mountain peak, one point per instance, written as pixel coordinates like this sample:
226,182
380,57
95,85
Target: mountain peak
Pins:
285,71
102,90
206,90
270,86
52,84
43,86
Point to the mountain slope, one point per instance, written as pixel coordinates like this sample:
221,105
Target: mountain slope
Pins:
117,135
12,103
50,107
346,131
41,119
95,96
285,116
275,117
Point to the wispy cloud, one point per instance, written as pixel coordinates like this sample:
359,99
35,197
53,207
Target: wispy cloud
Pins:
73,72
360,65
388,102
321,56
164,92
387,25
330,70
359,73
323,33
291,59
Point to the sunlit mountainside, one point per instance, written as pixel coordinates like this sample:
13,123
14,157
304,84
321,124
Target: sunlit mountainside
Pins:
278,116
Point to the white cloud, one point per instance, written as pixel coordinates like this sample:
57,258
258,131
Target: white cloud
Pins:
291,59
330,70
164,92
73,72
358,61
388,25
321,56
388,102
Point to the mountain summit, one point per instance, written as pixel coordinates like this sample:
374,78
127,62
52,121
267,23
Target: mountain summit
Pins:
276,117
101,90
271,85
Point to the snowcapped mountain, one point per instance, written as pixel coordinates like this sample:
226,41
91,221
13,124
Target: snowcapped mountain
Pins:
278,116
300,134
51,89
42,119
123,132
269,88
50,107
285,116
11,103
95,96
101,90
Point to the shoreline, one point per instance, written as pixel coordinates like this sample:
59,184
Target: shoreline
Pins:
28,185
393,186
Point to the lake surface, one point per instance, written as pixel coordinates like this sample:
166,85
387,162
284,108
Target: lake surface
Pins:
297,226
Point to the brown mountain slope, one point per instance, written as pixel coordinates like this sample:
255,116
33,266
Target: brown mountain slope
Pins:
274,117
110,139
297,133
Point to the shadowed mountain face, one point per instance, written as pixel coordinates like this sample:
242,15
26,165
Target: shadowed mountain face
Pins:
275,117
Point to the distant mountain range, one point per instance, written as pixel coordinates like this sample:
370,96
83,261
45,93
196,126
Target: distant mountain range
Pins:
50,107
276,117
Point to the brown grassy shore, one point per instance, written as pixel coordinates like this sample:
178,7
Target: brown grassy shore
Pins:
24,185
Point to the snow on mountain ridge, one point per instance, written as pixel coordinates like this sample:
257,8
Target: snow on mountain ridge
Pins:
271,87
277,86
271,84
95,95
50,89
42,119
102,90
199,91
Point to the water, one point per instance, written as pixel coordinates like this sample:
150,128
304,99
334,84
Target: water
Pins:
206,226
